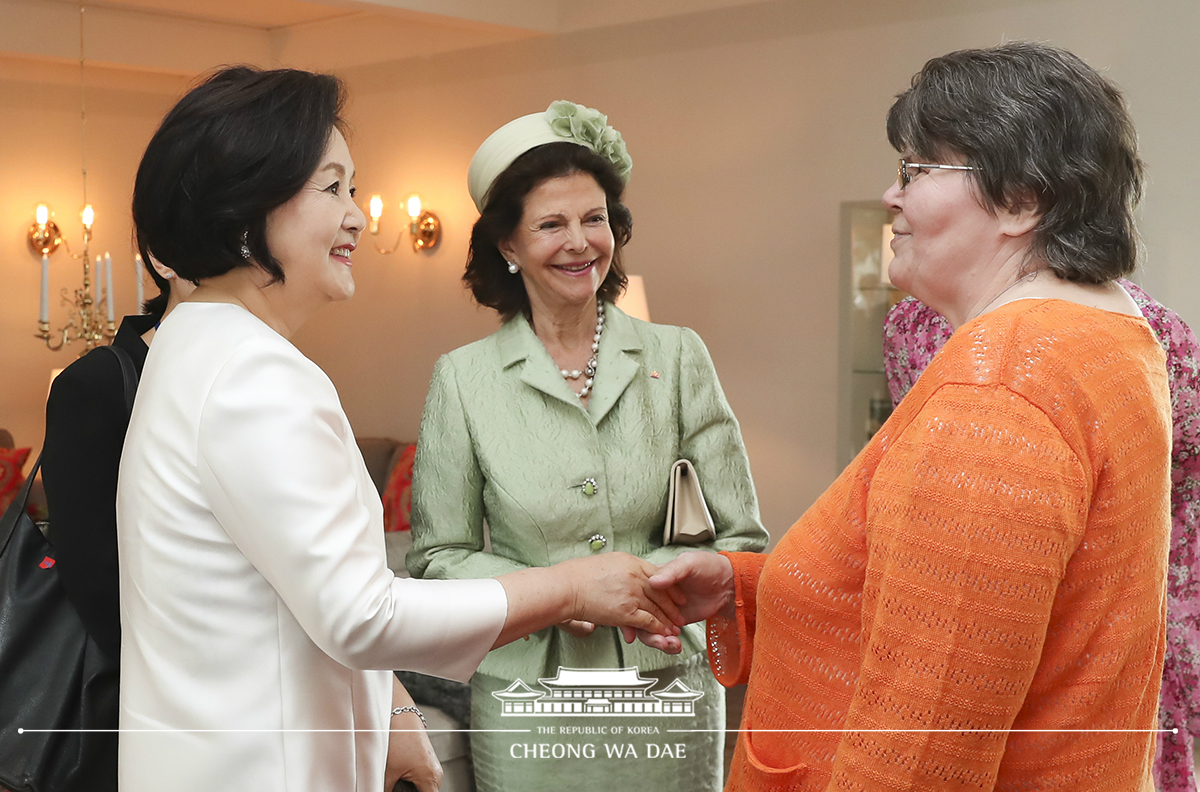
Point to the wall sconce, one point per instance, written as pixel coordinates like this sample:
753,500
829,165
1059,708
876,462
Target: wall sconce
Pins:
44,236
424,226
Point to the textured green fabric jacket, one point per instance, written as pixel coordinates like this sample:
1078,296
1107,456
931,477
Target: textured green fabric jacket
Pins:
505,441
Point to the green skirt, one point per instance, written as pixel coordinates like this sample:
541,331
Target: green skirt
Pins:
600,729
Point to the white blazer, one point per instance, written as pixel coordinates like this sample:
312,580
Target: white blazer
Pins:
254,584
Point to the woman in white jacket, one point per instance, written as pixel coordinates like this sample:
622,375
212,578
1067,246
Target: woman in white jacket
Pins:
255,595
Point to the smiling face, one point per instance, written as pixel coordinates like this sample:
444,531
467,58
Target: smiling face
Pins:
947,245
315,232
563,244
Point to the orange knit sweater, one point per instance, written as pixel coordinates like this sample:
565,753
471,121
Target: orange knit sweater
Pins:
978,601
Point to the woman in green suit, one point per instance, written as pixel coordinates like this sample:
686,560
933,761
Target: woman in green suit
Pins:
558,432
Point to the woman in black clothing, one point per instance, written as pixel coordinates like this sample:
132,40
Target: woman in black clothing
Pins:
86,418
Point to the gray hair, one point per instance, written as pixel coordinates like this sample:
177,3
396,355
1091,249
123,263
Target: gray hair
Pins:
1036,123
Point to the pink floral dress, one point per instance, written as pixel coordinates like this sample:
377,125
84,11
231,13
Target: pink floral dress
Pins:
913,333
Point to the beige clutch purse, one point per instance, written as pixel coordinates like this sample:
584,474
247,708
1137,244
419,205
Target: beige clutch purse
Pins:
688,520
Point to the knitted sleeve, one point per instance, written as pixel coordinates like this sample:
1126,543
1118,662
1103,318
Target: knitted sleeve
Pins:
731,644
973,514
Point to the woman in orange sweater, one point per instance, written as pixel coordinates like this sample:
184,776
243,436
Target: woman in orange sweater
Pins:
977,602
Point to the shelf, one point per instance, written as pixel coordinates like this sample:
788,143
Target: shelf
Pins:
864,402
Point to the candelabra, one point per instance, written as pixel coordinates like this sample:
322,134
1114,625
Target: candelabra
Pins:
83,317
84,322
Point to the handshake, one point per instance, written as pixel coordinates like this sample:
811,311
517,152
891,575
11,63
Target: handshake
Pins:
646,601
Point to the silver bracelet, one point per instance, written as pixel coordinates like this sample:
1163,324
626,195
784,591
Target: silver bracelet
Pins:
418,712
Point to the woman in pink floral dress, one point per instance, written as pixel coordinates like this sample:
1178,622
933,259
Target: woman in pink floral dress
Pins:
913,333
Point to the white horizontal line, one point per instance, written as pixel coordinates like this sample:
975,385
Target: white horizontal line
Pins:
668,731
258,731
931,731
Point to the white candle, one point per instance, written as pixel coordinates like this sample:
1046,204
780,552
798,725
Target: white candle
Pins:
108,291
44,314
137,278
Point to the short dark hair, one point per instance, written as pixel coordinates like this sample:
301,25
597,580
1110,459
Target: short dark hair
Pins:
241,143
487,272
156,306
1036,122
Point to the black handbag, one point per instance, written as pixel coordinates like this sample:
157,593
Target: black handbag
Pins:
58,689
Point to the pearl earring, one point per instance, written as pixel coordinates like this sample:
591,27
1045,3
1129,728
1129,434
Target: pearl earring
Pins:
245,245
513,268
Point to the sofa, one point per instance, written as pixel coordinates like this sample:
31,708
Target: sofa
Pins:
37,495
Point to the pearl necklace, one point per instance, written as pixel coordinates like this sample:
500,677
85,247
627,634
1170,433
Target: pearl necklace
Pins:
590,369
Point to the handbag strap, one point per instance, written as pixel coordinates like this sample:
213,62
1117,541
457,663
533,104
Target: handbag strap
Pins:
129,375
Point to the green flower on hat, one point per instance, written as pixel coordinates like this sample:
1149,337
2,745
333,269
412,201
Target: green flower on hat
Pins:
590,128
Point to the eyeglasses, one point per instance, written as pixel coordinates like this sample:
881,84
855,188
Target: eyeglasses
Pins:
906,177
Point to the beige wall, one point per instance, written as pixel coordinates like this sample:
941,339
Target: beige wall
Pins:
747,127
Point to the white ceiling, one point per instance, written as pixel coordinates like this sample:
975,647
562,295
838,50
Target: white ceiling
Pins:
189,36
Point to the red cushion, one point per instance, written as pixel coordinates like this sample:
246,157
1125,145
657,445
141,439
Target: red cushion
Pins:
397,495
12,460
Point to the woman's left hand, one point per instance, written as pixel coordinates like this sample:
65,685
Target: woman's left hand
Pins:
410,755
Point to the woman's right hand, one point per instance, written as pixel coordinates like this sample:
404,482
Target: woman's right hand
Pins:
702,585
614,589
611,589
